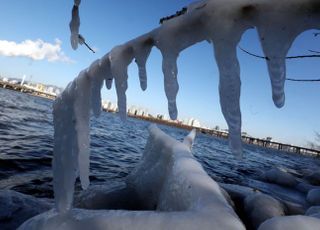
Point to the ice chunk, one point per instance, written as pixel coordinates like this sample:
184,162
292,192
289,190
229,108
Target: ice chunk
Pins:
260,207
170,184
280,177
313,178
15,208
188,140
237,192
313,196
313,210
291,222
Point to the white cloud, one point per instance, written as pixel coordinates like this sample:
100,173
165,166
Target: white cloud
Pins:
36,50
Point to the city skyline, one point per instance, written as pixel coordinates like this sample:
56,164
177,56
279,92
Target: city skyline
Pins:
103,27
140,112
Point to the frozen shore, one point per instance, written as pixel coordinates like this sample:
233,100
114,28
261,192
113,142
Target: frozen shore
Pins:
170,190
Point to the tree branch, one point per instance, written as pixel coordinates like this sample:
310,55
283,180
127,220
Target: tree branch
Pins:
302,80
289,57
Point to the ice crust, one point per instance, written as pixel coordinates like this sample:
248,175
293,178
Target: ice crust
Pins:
174,190
221,22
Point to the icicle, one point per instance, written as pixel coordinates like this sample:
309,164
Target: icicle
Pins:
229,89
82,115
64,165
105,65
120,58
74,25
170,72
141,52
96,74
276,41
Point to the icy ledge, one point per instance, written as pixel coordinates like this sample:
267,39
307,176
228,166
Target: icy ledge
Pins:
168,181
221,22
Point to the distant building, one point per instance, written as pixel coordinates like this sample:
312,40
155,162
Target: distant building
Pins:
192,122
13,82
109,106
40,87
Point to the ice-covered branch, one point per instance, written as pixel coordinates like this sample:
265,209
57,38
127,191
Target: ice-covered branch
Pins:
75,25
221,22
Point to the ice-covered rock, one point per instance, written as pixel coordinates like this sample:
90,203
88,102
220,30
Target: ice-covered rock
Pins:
170,184
15,208
292,208
237,191
261,207
305,187
313,178
292,223
280,177
313,196
313,211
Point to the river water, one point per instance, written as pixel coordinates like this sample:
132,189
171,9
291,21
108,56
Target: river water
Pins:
26,143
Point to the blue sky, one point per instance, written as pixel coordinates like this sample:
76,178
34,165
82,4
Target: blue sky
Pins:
105,24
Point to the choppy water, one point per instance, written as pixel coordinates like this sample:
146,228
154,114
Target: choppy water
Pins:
26,143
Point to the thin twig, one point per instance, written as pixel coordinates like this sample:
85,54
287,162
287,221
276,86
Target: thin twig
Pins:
304,56
304,80
289,57
252,54
89,47
314,51
83,41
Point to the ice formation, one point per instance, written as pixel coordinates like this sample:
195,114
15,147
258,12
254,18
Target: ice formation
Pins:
221,22
174,190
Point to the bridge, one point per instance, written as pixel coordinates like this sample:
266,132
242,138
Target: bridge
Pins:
246,139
